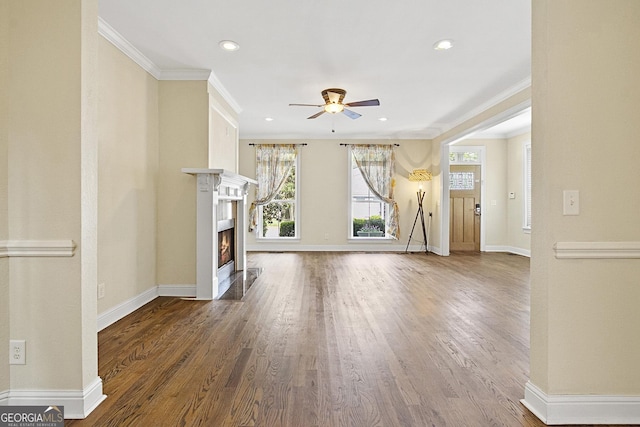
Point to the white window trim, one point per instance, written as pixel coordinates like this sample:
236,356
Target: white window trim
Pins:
350,237
526,178
296,219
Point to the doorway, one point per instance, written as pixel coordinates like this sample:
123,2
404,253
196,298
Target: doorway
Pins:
465,207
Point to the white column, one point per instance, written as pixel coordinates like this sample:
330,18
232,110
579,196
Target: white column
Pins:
206,240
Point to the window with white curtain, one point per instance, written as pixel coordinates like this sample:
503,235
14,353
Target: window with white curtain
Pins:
278,218
373,211
274,213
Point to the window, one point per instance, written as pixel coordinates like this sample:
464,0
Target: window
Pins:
278,218
368,212
464,157
527,186
461,181
373,212
274,213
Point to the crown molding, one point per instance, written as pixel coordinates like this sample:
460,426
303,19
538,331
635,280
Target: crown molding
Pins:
115,38
224,93
497,99
111,35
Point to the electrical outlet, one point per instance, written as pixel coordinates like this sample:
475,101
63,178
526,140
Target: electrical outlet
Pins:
101,290
17,352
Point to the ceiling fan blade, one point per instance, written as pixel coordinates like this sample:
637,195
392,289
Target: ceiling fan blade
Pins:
368,103
351,114
306,105
318,114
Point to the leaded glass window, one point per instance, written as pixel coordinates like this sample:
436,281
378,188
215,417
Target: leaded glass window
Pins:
461,181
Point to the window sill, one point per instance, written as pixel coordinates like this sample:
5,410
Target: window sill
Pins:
278,240
370,239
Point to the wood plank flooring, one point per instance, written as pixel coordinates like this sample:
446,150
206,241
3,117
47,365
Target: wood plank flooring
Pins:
330,339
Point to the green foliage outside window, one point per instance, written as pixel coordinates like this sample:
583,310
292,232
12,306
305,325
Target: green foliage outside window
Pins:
288,229
374,221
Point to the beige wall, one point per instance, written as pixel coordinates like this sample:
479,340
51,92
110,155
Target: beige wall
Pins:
51,195
517,237
585,322
323,193
223,133
128,168
4,224
184,138
223,141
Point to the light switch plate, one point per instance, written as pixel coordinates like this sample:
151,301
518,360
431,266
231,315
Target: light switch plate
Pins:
571,202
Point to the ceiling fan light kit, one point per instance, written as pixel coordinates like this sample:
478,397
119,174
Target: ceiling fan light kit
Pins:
333,104
333,108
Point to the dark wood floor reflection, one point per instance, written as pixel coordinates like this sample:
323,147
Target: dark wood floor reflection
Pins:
330,339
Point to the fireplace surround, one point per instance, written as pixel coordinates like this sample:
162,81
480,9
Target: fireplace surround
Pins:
221,198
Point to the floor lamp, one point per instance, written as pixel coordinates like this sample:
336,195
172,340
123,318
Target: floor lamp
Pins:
420,176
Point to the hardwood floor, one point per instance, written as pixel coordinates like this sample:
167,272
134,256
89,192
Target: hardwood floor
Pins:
330,339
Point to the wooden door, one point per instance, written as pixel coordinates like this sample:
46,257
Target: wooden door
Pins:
464,208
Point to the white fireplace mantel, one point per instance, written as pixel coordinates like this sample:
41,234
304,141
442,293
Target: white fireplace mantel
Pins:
215,186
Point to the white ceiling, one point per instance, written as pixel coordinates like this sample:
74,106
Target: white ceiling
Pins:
291,50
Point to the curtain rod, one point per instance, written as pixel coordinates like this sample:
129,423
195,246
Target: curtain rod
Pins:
253,144
344,145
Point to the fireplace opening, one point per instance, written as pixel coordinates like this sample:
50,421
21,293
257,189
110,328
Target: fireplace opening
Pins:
226,250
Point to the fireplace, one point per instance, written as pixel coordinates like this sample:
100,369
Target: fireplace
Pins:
220,230
226,248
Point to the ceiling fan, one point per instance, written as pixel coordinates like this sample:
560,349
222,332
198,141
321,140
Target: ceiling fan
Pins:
333,104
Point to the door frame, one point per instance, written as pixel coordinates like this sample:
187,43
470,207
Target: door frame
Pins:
482,149
444,170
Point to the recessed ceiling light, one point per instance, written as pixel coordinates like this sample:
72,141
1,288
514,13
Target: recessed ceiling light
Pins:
269,119
229,45
445,44
383,119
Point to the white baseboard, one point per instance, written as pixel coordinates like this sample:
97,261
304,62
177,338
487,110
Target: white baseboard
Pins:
116,313
380,246
581,409
78,404
368,247
181,291
125,308
508,249
436,250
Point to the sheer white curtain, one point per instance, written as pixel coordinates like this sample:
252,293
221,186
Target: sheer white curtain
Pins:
377,166
273,163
